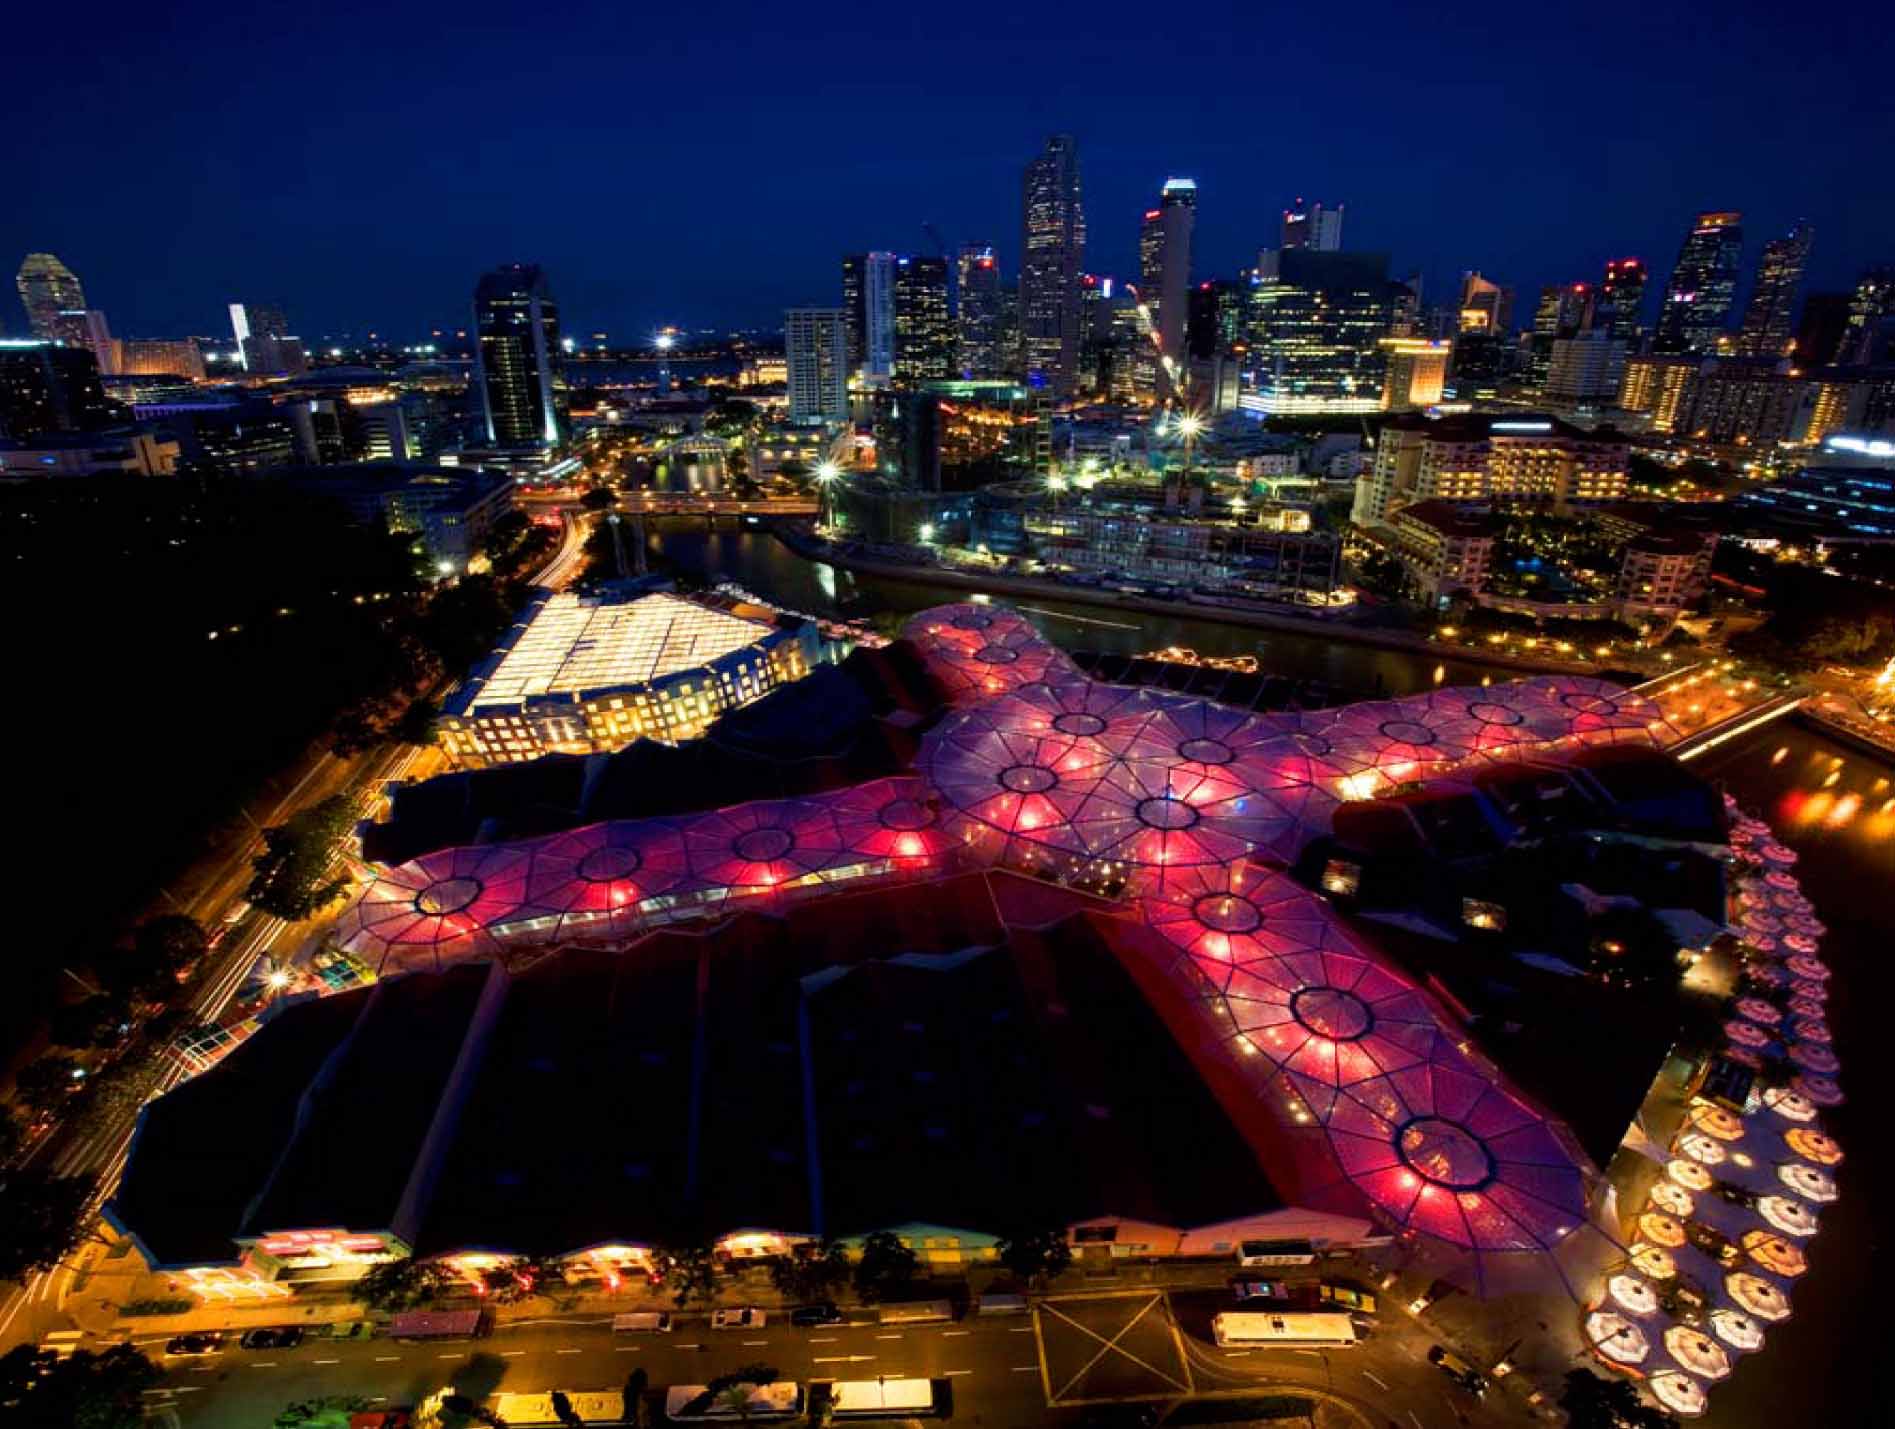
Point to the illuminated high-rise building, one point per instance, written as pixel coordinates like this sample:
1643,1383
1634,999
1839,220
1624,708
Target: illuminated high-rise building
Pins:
519,379
816,354
977,316
1314,334
47,289
1417,372
924,327
1164,263
1703,286
1770,315
1053,253
1312,226
1867,334
264,344
1621,298
1486,307
868,297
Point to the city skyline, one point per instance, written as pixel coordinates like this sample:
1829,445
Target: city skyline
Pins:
1495,198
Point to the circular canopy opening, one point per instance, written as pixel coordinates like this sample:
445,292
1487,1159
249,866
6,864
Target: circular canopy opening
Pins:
1227,913
1080,722
1166,812
609,865
1488,712
1207,751
996,654
447,895
1445,1153
1332,1012
906,814
762,845
1028,778
1408,731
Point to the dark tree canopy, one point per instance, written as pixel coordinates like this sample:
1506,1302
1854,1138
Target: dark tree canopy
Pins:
294,878
40,1390
42,1219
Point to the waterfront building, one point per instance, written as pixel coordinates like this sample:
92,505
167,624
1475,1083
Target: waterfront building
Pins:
1315,325
1527,461
1312,226
587,674
1446,549
977,312
1661,572
1053,253
46,386
1703,286
519,374
1769,317
816,352
1417,372
47,288
1273,561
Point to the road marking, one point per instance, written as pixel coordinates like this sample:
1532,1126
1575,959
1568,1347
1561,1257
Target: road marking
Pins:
1412,1415
1311,1353
511,1354
1021,1329
956,1371
822,1339
690,1347
1026,1369
456,1355
1373,1380
384,1359
616,1349
747,1342
328,1361
946,1333
267,1364
1235,1354
565,1352
888,1337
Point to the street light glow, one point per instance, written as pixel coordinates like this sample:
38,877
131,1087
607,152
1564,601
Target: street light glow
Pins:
1190,424
664,341
827,472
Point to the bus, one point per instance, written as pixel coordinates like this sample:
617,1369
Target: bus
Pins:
690,1403
438,1325
915,1312
879,1398
1290,1330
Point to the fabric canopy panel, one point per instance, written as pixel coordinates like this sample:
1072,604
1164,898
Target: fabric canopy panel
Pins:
1414,1123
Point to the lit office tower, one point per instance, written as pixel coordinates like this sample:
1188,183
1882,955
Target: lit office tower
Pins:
924,328
868,297
1486,307
977,319
1308,225
1703,286
1622,298
1770,315
1164,263
1315,327
47,289
264,344
517,369
816,349
1053,248
1866,335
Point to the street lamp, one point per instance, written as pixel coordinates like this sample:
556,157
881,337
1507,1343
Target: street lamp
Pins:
827,475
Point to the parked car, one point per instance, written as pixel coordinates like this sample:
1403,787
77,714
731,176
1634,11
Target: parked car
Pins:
1260,1289
351,1330
280,1337
1458,1370
207,1343
806,1317
748,1318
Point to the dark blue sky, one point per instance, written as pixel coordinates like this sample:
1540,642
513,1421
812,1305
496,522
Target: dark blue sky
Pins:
361,162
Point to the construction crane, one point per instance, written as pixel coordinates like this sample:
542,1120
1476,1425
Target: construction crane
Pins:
1174,375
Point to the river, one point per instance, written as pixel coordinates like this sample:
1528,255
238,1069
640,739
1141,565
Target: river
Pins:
1835,807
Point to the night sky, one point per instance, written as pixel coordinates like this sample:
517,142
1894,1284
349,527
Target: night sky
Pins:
707,165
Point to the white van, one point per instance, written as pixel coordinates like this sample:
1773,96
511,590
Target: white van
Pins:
646,1322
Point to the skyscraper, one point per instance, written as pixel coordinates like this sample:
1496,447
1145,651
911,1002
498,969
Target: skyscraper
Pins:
816,348
1622,298
1164,262
1486,307
1769,316
264,344
46,387
1871,309
977,318
868,297
1312,226
924,329
1315,329
518,375
1053,249
1703,286
48,288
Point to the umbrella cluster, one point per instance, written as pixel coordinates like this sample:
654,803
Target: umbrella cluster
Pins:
1769,1161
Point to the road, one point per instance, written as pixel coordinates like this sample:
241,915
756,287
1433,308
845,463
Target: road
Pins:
1003,1370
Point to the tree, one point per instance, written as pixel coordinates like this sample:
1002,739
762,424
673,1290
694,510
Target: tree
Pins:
514,1280
690,1271
1594,1403
887,1267
402,1284
47,1082
293,878
328,1410
564,1412
42,1219
39,1390
732,1389
91,1022
162,949
1036,1255
812,1276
